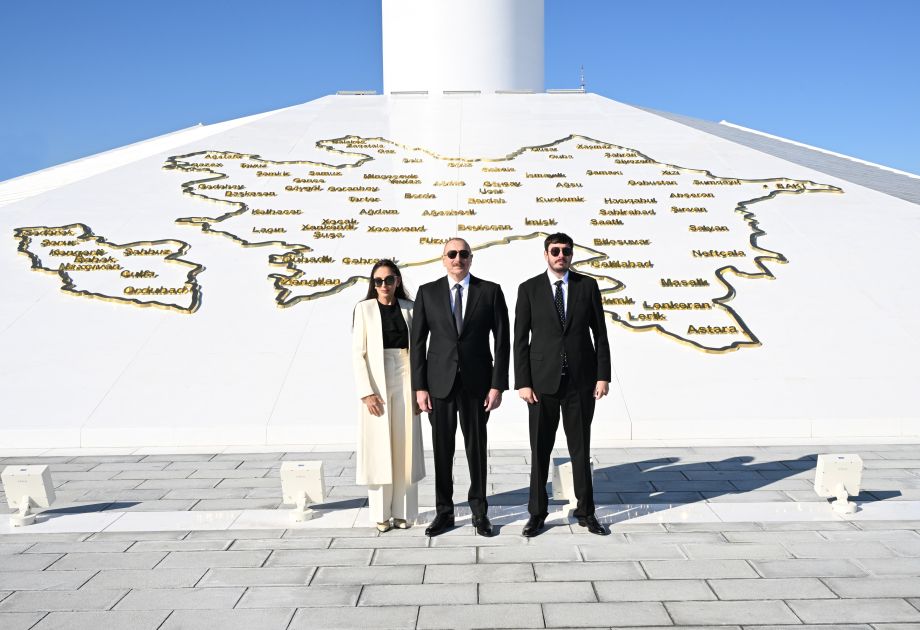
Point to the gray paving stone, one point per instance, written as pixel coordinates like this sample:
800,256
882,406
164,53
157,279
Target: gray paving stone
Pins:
179,457
123,466
180,599
429,556
43,580
736,612
137,536
152,474
741,551
566,572
535,592
253,482
173,484
93,620
507,539
91,546
121,495
653,590
237,504
388,541
28,561
205,493
781,538
674,538
301,596
260,493
141,579
180,545
361,617
713,527
732,475
248,619
891,566
407,574
846,626
661,497
320,557
771,588
754,496
346,492
209,465
160,505
418,594
712,485
578,537
299,576
343,532
529,553
699,569
236,473
807,568
211,559
904,547
795,526
243,534
636,551
8,549
32,601
887,525
99,475
19,621
99,561
855,611
904,586
859,535
281,543
865,549
605,614
481,616
109,484
21,537
266,458
473,573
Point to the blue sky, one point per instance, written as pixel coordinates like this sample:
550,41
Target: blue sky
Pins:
77,78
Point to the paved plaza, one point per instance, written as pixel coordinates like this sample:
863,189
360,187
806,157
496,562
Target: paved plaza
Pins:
727,537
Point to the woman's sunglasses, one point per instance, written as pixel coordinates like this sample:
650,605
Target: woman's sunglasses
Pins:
463,253
389,281
554,251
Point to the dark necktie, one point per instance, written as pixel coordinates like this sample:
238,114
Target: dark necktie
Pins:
458,308
560,303
560,310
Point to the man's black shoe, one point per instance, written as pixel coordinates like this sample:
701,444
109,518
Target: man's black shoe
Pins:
483,525
593,526
533,527
440,524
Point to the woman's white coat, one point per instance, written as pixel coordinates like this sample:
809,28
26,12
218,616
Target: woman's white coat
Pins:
374,465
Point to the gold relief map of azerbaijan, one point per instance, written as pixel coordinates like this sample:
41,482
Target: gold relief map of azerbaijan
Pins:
664,242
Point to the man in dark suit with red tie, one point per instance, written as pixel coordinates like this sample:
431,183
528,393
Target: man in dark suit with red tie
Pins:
557,367
453,374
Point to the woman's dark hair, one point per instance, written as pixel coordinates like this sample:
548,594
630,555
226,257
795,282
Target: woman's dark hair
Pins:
389,264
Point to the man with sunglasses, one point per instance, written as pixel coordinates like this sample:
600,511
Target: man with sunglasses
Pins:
558,367
453,374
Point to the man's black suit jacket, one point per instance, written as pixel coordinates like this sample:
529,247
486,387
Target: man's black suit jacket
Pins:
540,339
435,365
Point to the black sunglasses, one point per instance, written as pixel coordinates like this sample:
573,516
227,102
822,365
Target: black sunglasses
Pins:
389,281
554,251
463,253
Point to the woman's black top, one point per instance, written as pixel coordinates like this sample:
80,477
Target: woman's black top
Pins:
395,331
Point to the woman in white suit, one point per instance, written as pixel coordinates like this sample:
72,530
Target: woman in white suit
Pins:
390,457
